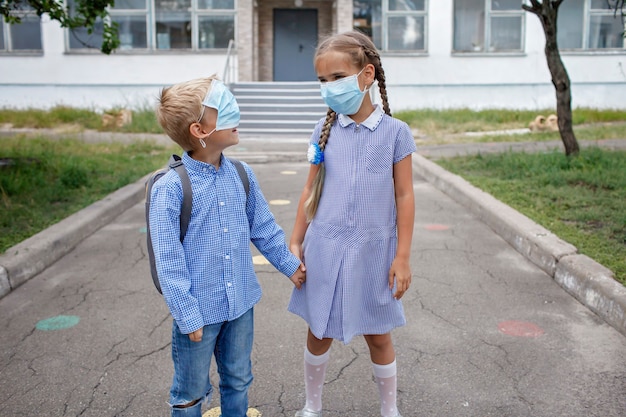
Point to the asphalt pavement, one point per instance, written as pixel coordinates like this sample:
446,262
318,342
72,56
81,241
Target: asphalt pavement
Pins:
503,318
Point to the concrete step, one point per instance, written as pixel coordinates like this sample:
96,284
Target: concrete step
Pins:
278,115
285,132
277,124
282,108
279,107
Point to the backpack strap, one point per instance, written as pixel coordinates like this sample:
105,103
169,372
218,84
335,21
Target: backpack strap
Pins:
176,164
243,175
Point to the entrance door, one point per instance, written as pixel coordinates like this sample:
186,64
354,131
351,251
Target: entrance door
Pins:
295,39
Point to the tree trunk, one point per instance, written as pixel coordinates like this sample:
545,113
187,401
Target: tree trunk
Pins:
547,11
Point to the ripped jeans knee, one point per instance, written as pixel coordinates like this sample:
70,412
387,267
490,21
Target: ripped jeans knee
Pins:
191,409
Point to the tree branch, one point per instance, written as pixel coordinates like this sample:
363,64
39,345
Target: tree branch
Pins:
535,7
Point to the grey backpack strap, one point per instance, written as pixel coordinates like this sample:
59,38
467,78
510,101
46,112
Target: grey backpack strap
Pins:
243,175
176,164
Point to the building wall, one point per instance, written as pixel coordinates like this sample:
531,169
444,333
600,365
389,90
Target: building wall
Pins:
441,79
436,79
95,80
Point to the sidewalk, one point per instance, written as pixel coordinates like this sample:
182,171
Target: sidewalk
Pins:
589,282
489,331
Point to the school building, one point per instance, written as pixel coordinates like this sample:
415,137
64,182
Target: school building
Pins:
436,53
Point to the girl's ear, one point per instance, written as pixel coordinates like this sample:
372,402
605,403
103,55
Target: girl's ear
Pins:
370,74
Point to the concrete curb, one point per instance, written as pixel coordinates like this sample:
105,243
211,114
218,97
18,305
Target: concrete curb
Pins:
28,258
588,281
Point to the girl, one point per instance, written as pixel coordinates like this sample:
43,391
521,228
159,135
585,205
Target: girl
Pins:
354,223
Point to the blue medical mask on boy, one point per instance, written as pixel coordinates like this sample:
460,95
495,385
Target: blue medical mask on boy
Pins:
344,95
221,99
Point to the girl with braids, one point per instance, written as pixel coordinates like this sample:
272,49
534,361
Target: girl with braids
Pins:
354,223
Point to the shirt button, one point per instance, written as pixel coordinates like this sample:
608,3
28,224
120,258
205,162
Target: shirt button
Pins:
226,230
221,203
203,169
230,284
227,256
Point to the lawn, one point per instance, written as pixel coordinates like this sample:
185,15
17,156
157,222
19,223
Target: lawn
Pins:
451,126
43,181
580,199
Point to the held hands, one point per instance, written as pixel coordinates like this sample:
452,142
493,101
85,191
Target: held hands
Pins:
299,277
400,272
196,336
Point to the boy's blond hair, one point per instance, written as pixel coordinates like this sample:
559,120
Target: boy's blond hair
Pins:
179,106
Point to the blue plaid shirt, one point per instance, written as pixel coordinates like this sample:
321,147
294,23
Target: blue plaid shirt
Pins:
210,278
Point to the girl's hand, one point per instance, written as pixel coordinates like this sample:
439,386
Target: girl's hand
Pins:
400,272
196,336
299,277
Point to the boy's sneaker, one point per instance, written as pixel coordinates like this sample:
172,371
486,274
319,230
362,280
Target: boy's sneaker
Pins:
308,413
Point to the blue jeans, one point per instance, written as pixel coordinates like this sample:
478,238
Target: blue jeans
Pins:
231,343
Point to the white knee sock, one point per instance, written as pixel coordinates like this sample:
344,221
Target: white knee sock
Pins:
314,374
387,387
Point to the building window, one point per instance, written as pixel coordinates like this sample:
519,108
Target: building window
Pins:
23,37
131,17
165,25
488,26
590,25
393,25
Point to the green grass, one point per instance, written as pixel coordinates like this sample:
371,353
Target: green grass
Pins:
44,181
436,126
449,126
68,118
580,199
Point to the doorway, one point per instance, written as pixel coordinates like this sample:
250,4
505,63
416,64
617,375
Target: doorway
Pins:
295,40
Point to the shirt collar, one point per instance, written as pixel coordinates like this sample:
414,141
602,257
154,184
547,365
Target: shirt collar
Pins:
372,121
200,166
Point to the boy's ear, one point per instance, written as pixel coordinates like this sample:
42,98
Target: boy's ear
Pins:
196,130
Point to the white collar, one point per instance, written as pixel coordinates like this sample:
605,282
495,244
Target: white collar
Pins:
372,121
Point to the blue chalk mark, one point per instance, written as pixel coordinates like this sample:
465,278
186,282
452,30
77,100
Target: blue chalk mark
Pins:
57,323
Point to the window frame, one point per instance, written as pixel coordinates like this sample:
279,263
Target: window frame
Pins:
387,14
8,46
487,38
587,14
150,13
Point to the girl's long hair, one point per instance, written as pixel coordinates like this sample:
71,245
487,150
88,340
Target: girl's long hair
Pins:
362,52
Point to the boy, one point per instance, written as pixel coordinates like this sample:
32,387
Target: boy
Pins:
208,280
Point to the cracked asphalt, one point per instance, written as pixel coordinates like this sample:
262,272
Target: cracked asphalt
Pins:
488,332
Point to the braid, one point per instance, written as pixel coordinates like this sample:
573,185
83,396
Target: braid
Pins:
311,204
330,119
374,58
382,87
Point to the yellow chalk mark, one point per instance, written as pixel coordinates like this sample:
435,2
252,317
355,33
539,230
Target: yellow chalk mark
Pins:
279,202
217,412
288,172
260,260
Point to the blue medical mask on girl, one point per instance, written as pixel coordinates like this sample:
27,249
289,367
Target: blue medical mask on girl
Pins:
221,99
344,95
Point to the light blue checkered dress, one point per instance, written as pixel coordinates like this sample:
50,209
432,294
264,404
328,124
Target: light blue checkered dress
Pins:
351,242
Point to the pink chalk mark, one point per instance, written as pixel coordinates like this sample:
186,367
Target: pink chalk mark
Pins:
520,328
